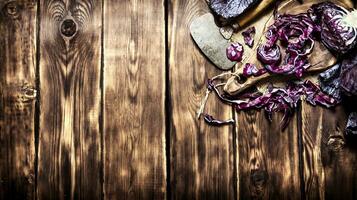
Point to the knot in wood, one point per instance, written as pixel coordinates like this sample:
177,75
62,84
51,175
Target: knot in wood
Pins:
28,93
12,9
258,180
68,27
336,142
258,177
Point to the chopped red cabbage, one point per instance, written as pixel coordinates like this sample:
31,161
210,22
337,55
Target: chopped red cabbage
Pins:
249,36
349,82
278,99
252,70
351,127
335,33
215,122
296,33
227,10
349,74
329,81
235,52
269,55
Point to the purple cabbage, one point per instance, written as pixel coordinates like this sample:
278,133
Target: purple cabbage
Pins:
235,52
349,82
269,55
296,33
249,36
226,10
330,80
215,122
278,99
252,70
351,127
341,79
349,74
334,32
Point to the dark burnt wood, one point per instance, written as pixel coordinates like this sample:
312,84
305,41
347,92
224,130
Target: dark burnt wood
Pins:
134,100
17,99
268,158
69,157
202,157
329,158
101,104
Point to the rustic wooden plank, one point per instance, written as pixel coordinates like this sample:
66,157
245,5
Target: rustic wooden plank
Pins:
330,160
17,98
268,158
202,157
134,108
70,66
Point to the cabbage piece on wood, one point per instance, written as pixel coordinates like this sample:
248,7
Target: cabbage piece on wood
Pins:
229,9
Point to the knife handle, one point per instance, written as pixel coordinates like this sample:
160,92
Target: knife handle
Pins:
249,16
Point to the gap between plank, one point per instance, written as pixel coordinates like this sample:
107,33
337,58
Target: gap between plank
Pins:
300,150
167,100
38,94
235,154
101,115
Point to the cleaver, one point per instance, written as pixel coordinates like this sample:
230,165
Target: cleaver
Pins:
209,39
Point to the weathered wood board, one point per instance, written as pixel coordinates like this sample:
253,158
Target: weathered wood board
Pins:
201,156
268,158
134,100
98,100
69,165
17,98
329,158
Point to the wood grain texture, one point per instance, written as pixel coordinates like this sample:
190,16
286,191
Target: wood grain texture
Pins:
268,158
202,156
70,65
329,158
134,94
17,98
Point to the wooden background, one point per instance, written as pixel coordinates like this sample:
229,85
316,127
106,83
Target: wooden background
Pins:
104,108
